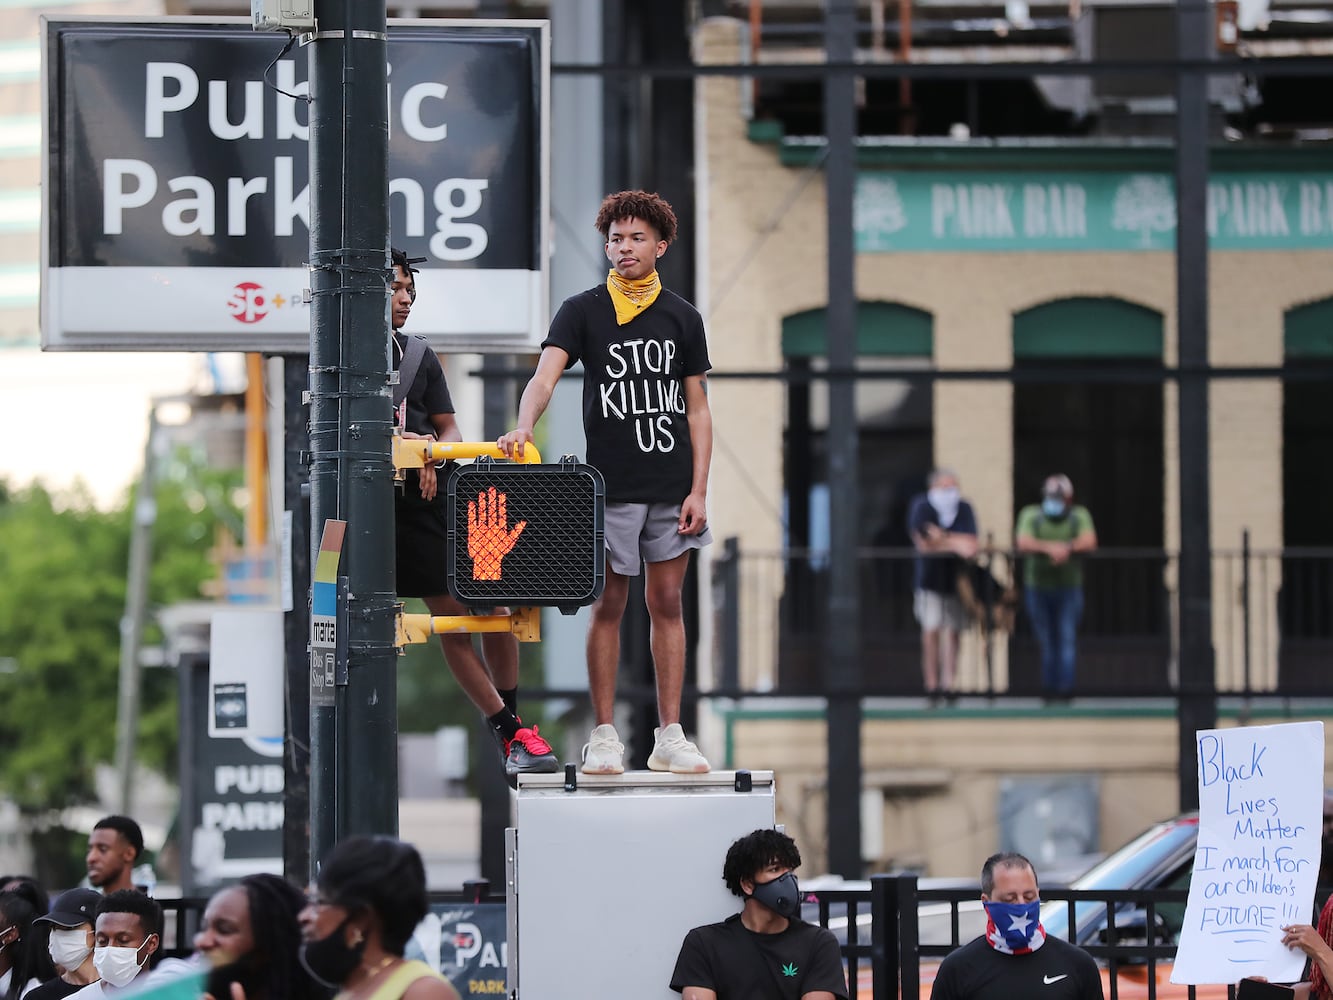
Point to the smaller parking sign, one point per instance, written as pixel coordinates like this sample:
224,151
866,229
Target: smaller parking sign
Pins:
324,616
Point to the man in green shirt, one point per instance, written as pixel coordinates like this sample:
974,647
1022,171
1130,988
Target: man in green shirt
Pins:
1053,534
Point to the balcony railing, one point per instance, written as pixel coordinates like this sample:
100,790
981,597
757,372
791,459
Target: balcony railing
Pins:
1272,622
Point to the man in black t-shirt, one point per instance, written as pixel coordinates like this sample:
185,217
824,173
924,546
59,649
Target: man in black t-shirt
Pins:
1015,958
766,951
423,409
650,433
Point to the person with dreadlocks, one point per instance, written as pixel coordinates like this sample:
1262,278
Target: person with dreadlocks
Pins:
1317,942
424,409
250,935
650,433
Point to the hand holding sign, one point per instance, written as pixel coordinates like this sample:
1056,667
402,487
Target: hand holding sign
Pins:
1260,795
489,539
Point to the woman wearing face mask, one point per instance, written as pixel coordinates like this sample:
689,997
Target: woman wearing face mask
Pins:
69,943
23,966
359,916
250,936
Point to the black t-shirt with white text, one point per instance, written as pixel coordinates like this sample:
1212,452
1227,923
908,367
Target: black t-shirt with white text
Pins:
738,964
634,390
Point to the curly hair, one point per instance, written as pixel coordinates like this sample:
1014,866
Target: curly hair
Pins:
383,875
753,853
649,207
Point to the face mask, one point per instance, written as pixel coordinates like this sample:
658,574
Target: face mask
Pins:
118,966
1017,922
942,496
781,895
329,959
1053,507
68,948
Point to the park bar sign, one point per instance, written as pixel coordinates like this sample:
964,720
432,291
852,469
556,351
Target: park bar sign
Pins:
177,204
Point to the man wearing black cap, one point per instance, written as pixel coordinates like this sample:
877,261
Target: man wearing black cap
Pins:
113,847
70,944
424,409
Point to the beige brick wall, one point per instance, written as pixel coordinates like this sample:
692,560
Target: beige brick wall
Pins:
940,777
763,257
764,242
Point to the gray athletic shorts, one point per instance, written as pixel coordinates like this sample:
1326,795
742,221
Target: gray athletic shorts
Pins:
646,532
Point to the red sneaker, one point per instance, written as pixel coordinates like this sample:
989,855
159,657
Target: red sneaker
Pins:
528,753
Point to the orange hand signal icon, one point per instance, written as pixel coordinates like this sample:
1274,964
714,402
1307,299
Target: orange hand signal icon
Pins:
489,538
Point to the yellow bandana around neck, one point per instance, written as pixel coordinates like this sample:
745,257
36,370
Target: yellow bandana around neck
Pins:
632,297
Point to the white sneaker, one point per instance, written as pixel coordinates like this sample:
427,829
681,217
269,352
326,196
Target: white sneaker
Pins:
673,752
604,753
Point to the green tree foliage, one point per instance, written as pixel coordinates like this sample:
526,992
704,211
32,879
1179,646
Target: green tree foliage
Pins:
63,566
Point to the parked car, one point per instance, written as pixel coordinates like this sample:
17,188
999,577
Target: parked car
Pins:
1162,857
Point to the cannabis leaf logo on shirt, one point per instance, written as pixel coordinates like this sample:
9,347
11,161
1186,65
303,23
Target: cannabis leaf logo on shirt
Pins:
789,969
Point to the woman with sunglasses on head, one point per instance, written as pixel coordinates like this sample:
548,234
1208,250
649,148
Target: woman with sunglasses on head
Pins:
368,899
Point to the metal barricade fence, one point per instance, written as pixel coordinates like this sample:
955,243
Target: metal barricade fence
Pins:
880,932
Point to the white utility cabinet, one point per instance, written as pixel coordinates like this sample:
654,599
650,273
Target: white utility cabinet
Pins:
607,873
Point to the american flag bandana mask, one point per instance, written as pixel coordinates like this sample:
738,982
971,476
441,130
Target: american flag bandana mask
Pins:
1014,928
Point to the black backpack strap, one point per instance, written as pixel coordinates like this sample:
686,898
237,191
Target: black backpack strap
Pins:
413,354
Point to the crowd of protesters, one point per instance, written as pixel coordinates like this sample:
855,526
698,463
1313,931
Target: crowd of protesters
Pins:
260,939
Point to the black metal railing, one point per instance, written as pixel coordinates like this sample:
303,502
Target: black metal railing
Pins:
894,933
883,932
1272,622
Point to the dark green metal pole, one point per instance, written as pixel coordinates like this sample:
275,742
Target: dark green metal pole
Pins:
354,752
1197,706
296,627
843,679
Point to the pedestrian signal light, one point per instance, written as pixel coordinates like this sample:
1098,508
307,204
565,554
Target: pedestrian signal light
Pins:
526,535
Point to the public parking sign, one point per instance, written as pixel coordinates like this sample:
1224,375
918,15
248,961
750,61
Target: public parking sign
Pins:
176,203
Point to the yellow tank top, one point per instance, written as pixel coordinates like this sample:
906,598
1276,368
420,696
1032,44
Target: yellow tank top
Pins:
397,982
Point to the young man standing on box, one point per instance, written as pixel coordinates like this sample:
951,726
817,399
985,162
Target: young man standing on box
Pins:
650,433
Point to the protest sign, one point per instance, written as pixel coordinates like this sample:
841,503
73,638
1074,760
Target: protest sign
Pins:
1255,867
